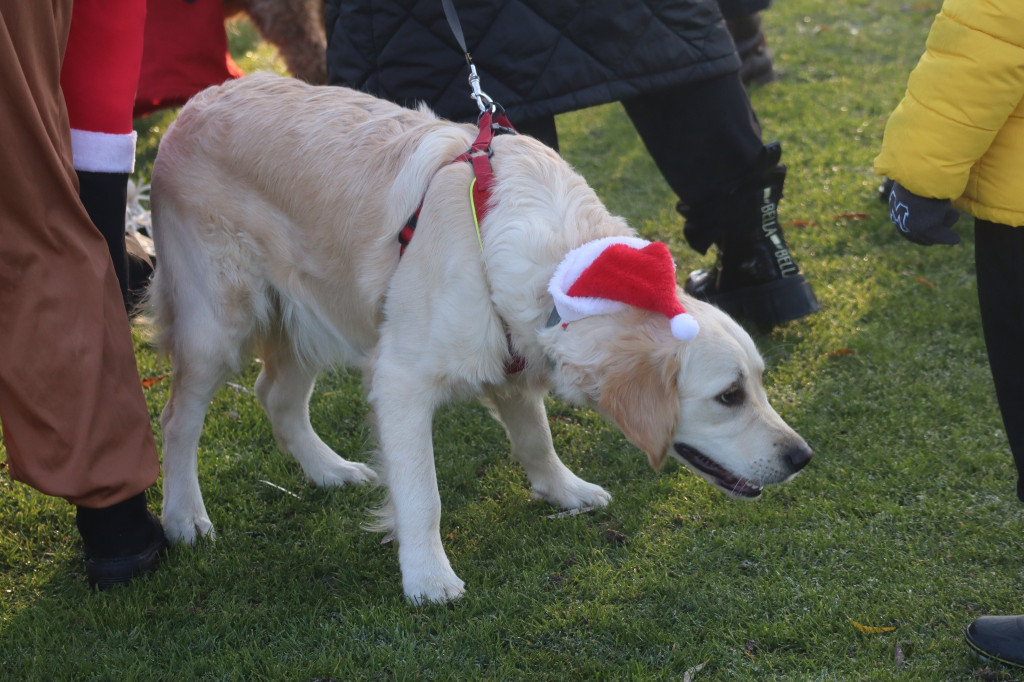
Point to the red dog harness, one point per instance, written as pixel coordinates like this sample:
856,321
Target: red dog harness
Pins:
479,156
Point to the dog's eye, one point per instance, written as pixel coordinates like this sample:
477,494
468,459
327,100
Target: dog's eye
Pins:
731,398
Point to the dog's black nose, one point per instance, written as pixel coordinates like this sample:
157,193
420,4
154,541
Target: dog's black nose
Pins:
798,457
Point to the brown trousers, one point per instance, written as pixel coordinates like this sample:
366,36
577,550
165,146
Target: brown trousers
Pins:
75,422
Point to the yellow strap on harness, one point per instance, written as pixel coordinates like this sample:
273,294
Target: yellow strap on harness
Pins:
476,221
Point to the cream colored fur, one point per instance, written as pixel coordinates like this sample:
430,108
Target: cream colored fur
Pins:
276,208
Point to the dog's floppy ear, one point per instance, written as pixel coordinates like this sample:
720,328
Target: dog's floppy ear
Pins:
641,398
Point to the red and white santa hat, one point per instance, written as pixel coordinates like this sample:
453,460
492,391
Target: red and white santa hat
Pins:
607,275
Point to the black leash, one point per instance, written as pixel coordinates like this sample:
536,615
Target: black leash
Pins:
483,101
453,21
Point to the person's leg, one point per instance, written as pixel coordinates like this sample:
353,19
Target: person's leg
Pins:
541,128
999,255
743,19
99,88
704,138
756,67
706,141
74,419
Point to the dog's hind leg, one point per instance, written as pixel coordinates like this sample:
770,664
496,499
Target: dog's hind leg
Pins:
193,386
522,412
284,388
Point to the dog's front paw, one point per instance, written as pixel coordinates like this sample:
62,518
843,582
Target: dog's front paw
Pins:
339,472
570,492
187,529
434,587
427,576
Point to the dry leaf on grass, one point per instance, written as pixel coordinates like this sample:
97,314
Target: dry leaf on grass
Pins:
870,630
149,382
922,280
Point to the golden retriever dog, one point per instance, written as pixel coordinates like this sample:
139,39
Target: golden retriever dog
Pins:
276,207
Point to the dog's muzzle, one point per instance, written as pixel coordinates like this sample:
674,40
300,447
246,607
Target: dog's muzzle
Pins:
797,458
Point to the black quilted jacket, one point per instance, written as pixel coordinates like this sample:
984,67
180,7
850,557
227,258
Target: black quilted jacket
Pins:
535,57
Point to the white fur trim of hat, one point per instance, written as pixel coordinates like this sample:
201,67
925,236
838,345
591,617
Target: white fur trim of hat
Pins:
607,275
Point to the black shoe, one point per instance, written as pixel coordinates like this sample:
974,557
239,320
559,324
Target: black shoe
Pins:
756,67
122,542
999,638
767,304
754,277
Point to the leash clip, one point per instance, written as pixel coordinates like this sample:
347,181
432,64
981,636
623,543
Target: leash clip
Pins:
483,100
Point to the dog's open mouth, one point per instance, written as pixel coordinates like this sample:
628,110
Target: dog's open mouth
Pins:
716,474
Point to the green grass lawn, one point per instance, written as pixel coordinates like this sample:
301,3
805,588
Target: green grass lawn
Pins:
903,529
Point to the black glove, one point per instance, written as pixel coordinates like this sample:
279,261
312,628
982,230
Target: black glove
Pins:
922,221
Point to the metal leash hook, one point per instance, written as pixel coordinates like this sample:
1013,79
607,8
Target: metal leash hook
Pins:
483,100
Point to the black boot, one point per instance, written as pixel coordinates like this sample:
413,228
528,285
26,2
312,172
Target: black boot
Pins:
756,66
122,541
105,196
755,277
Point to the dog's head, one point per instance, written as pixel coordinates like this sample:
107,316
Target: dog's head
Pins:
700,401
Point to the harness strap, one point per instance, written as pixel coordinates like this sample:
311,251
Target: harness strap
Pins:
492,121
479,157
405,234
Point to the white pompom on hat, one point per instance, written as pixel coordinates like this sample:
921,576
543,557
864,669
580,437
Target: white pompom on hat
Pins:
607,275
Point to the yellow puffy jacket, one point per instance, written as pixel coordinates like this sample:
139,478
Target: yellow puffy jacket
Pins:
959,131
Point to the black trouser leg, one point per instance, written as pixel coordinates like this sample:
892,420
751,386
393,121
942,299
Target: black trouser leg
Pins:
704,137
999,259
706,141
541,128
105,196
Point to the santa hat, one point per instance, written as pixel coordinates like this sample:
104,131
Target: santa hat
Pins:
607,275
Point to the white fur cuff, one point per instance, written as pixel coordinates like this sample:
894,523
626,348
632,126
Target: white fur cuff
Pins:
103,152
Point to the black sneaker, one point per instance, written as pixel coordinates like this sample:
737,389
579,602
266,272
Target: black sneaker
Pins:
998,638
